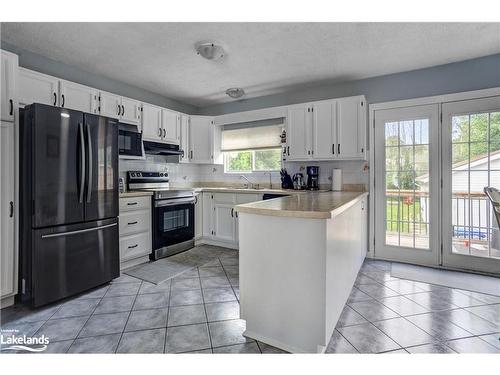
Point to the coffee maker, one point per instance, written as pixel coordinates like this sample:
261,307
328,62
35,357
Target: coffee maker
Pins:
312,177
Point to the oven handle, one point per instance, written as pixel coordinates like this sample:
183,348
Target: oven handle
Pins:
174,202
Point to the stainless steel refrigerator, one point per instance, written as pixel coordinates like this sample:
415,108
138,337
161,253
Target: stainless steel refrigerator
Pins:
69,202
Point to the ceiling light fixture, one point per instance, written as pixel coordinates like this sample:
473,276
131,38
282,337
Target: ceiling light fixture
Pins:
210,50
235,92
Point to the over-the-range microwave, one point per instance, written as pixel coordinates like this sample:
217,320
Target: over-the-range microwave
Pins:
130,141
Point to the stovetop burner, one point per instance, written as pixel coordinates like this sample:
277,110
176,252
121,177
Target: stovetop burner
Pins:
157,182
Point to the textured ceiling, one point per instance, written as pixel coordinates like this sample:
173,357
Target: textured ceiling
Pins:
262,58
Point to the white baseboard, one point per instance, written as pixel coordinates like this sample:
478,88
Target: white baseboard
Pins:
208,241
133,262
7,301
278,344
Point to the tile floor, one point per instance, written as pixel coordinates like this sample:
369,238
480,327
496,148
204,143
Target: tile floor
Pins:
198,312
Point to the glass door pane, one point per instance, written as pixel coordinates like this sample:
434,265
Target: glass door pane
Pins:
471,162
403,206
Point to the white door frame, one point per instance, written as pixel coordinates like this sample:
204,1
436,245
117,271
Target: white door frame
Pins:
401,253
438,99
449,259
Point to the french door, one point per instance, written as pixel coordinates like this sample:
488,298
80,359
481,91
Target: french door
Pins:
407,184
470,161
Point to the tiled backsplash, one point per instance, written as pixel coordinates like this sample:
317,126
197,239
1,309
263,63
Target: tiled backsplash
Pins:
353,172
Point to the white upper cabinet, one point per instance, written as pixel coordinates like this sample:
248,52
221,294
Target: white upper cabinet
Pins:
171,122
201,139
36,87
351,127
130,111
8,77
151,123
110,105
185,139
324,120
78,97
327,130
299,132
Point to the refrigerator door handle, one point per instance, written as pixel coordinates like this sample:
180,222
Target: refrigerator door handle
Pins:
78,231
90,161
82,162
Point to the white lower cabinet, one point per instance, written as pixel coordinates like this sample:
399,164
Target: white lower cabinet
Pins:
8,255
135,229
220,221
198,216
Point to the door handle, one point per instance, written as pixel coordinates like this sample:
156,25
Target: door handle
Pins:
288,150
11,102
82,162
119,109
159,132
191,152
55,99
11,213
78,231
132,223
338,149
232,212
62,103
164,133
123,110
90,157
333,149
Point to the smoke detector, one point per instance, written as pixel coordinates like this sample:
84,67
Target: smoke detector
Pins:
210,50
235,92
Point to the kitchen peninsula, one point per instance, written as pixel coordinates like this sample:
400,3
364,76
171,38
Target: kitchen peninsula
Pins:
299,257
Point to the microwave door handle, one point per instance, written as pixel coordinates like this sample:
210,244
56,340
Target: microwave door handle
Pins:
82,162
89,150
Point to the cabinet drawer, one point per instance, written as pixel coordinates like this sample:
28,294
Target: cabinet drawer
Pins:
135,222
135,246
228,198
247,198
135,203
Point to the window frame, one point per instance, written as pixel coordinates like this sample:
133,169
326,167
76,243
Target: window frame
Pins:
226,154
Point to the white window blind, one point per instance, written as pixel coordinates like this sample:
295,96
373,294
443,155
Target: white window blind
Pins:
256,135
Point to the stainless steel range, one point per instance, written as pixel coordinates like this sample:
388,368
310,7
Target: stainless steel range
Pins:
173,212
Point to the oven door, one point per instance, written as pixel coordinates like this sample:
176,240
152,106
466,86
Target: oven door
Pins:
130,143
173,225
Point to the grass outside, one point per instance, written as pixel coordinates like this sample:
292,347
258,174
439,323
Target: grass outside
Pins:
410,213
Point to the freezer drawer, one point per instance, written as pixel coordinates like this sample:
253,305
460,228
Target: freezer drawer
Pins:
71,259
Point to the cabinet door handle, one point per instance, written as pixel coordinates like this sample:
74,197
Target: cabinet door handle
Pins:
119,110
11,213
164,133
132,223
159,132
55,98
236,214
338,149
131,204
123,110
133,246
232,212
288,150
62,103
308,152
333,149
191,152
11,102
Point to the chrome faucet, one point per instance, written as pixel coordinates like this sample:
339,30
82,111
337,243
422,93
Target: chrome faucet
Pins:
270,180
248,184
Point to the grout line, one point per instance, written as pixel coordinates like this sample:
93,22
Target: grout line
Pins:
205,309
168,314
128,317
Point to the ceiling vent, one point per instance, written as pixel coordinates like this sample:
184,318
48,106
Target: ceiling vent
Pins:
235,92
210,50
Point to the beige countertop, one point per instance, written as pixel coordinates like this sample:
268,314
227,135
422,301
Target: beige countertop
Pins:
130,194
314,205
250,191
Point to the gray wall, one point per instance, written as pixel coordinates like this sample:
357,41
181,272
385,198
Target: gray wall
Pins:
480,73
45,65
